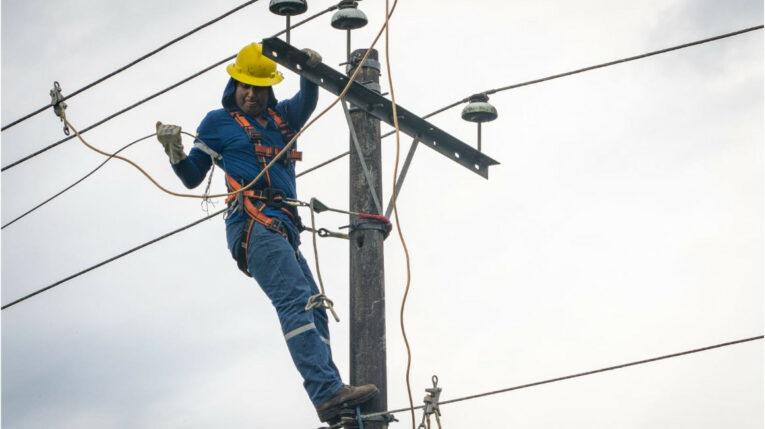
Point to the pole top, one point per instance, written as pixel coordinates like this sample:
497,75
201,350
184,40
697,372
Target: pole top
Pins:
359,53
371,61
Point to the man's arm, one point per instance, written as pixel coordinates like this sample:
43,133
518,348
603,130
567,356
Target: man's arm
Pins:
190,169
300,107
193,169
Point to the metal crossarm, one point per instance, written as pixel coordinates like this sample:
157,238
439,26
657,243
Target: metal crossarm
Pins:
379,107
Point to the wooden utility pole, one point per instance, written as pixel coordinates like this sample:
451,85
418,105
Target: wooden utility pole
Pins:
367,275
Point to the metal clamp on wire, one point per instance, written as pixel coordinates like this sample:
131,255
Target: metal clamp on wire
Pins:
362,221
368,221
321,301
57,101
324,232
431,405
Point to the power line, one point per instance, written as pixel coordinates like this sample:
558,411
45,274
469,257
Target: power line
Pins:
134,62
443,109
156,94
327,162
265,169
113,115
568,377
430,114
114,258
76,182
51,198
623,60
560,75
316,167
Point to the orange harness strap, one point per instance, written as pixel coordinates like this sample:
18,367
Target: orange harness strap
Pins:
262,150
270,152
250,199
255,200
253,203
287,134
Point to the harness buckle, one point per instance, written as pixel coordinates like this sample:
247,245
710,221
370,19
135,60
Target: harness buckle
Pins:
274,197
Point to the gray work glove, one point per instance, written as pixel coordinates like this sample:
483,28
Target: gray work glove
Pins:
170,137
313,57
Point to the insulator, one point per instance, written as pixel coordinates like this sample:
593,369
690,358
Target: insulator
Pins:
479,109
288,7
348,16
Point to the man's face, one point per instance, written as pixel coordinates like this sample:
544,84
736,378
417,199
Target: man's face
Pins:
252,100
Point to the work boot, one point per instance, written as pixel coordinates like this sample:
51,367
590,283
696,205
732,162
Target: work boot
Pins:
347,397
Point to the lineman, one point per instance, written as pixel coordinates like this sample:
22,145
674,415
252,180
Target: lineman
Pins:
263,234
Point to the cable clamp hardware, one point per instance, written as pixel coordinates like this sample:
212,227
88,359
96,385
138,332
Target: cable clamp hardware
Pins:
57,101
373,222
431,400
353,419
324,233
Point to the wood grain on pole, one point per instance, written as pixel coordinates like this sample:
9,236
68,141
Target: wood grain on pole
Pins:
367,276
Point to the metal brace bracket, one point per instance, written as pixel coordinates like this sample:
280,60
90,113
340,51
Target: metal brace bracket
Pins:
401,177
367,173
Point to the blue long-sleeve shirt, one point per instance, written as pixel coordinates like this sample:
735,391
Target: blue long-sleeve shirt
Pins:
224,135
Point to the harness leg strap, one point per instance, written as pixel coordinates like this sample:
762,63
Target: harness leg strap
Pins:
241,254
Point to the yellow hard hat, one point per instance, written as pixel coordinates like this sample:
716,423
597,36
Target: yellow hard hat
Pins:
253,68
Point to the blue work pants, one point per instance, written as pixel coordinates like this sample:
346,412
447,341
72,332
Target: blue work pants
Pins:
283,274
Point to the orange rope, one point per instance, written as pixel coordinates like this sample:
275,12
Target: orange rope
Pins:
395,210
275,159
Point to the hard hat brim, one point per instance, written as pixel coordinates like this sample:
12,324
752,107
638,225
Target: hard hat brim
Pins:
252,80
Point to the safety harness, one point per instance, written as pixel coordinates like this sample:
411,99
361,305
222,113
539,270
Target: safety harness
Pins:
254,201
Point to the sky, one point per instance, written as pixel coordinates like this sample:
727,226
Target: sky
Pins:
625,220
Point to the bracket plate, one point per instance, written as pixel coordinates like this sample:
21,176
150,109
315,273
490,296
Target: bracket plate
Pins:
379,107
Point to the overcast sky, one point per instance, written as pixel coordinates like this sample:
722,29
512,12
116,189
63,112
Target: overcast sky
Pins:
625,220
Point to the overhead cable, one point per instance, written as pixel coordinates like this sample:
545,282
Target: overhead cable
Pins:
134,62
327,162
337,157
568,377
115,114
275,159
426,116
558,76
156,94
76,182
107,160
615,62
113,258
439,110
